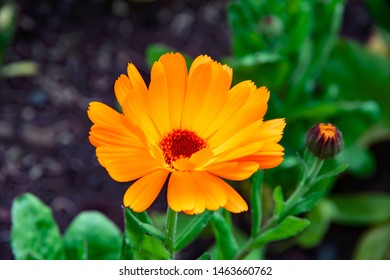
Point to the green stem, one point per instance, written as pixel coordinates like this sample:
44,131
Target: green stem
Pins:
303,186
170,231
256,202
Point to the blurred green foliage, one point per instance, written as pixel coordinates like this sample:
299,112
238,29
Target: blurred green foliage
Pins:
8,25
314,75
36,235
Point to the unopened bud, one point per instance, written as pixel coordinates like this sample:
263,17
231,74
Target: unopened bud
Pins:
324,140
271,26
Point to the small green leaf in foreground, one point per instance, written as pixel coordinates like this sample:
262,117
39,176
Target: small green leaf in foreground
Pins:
34,233
92,236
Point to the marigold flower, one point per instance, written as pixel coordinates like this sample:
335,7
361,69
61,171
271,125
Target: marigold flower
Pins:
189,125
324,140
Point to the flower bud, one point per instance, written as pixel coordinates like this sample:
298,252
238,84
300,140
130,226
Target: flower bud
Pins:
324,140
271,26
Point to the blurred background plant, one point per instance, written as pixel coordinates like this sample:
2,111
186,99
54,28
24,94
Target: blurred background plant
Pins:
295,48
8,23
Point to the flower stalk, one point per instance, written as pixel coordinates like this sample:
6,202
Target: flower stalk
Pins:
256,202
170,231
308,179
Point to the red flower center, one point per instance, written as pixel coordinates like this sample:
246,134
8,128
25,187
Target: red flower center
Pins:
181,143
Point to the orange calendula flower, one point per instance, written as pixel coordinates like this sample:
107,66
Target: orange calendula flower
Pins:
191,125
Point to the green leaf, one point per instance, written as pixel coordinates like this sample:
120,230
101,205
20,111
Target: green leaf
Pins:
243,17
380,10
374,245
361,160
263,68
279,201
192,230
205,256
305,204
152,248
127,252
8,23
320,218
361,209
327,110
19,69
351,62
134,232
328,17
332,173
92,236
143,217
290,227
143,226
34,233
225,240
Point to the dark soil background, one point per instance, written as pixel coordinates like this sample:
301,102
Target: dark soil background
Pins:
81,48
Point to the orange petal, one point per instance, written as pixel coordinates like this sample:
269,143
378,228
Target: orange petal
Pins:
251,111
159,99
122,88
181,191
112,128
234,170
199,60
200,158
102,114
136,80
197,86
235,100
214,96
176,75
141,194
126,164
183,164
270,155
210,188
235,203
136,108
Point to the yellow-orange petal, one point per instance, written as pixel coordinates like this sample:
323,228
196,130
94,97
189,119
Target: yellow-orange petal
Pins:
197,82
199,60
141,194
210,188
233,103
176,75
251,111
195,162
272,130
136,80
235,203
271,155
194,191
102,114
136,110
112,128
122,88
126,164
240,170
181,192
209,104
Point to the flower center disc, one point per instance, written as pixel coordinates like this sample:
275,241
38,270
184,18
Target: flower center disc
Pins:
181,143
